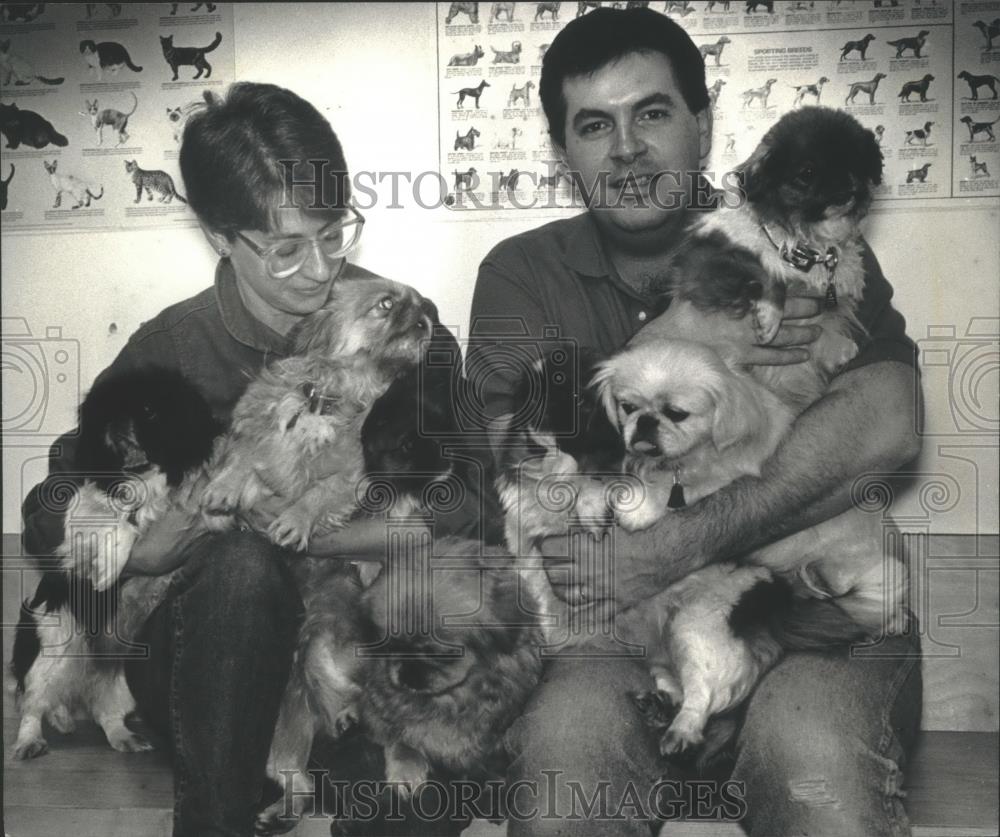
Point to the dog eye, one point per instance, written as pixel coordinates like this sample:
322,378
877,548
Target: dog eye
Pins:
627,407
386,303
676,416
806,175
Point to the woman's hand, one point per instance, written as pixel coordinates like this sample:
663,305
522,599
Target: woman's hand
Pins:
160,548
364,539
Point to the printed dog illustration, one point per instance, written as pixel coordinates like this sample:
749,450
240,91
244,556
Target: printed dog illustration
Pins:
714,91
978,169
921,135
920,175
472,93
551,8
467,142
467,59
857,46
521,94
915,44
715,50
980,128
975,82
466,180
990,31
510,56
759,93
920,86
868,87
502,9
803,90
471,10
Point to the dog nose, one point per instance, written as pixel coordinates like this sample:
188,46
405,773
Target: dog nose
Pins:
645,440
429,308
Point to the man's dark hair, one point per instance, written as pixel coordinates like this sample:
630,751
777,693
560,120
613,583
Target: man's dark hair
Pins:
232,152
602,36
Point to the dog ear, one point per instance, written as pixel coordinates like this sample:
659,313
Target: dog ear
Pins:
870,157
738,414
754,171
601,382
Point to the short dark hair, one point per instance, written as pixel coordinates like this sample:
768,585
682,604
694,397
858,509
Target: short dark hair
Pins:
232,151
591,42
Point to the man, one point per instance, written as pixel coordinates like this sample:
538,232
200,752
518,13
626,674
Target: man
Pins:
824,737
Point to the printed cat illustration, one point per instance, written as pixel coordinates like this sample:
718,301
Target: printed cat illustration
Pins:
106,55
178,116
80,190
28,127
3,188
16,69
109,116
188,56
21,12
152,180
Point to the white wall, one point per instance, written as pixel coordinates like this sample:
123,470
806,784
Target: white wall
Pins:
371,69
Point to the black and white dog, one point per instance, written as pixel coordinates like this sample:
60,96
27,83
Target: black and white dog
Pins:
144,436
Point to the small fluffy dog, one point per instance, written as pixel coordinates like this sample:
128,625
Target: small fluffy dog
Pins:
293,453
679,407
807,186
293,465
455,661
144,437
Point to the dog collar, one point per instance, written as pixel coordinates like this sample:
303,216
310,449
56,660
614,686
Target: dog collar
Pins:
805,258
322,405
676,499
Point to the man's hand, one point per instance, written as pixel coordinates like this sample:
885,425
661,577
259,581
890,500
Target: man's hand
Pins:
791,344
583,567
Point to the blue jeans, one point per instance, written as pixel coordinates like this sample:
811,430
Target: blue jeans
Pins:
220,652
820,752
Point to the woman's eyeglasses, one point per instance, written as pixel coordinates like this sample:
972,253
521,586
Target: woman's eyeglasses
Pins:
334,241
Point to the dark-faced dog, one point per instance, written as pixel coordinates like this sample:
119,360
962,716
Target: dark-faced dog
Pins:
807,186
144,436
455,660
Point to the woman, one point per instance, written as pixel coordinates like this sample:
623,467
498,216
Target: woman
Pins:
266,176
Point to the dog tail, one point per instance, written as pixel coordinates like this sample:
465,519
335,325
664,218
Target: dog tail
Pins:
45,80
215,42
795,623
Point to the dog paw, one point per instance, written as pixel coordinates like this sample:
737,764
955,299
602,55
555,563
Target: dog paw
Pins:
31,749
406,778
61,720
834,351
345,721
126,741
275,820
291,529
220,498
766,321
656,707
678,741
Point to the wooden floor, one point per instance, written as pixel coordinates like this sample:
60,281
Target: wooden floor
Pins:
82,788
